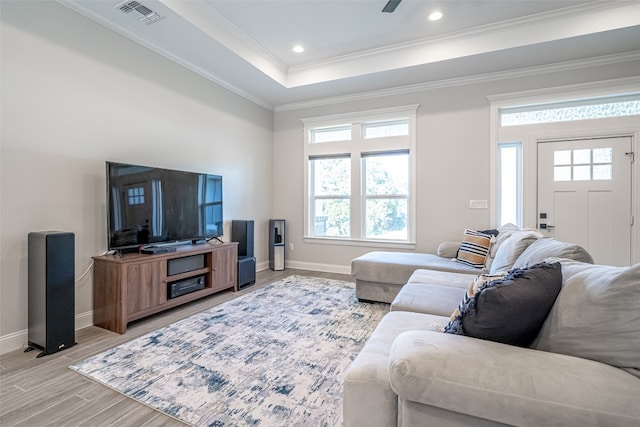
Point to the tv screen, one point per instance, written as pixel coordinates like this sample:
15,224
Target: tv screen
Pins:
148,205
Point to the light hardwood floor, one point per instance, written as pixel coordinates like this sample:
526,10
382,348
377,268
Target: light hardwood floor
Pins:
44,391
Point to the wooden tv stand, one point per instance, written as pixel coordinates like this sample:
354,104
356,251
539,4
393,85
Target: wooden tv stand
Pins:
133,286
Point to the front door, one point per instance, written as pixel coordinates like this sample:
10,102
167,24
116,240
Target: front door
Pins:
584,195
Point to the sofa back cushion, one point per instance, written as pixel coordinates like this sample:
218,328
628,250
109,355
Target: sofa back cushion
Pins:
547,247
596,315
512,248
504,232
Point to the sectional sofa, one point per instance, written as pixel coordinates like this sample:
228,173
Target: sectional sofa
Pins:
457,349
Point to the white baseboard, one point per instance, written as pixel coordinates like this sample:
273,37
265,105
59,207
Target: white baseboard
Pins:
325,268
84,320
18,340
14,341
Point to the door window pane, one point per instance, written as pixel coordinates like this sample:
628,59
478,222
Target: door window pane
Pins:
562,157
602,172
581,173
582,157
562,173
603,155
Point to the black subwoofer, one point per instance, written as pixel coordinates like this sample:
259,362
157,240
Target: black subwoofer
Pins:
51,287
246,271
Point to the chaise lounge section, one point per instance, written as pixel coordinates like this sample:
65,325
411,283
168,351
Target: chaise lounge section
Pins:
380,275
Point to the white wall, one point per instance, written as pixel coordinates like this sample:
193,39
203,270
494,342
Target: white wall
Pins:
453,159
75,94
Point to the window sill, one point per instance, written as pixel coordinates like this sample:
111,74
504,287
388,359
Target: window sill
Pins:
359,243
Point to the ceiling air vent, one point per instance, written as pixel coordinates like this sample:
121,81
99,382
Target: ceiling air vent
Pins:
148,15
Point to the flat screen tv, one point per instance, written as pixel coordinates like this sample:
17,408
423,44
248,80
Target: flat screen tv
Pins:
147,206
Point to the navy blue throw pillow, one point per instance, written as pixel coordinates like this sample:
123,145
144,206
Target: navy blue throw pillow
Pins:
510,310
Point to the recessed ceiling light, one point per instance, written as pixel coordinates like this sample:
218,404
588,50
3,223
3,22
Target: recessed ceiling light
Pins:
298,48
435,16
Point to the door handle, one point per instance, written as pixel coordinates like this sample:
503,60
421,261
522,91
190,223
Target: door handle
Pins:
544,226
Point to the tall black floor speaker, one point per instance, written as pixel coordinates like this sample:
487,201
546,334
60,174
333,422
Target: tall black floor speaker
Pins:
51,286
242,232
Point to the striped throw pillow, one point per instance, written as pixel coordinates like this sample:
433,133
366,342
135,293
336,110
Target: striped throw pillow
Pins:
474,248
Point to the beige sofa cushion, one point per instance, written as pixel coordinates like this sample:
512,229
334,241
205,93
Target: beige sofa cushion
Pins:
510,385
448,249
596,316
368,399
442,278
429,299
432,292
547,247
511,249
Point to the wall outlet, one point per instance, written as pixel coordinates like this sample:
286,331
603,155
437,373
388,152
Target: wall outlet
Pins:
291,247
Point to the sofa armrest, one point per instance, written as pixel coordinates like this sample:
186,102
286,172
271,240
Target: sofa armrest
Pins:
448,249
511,385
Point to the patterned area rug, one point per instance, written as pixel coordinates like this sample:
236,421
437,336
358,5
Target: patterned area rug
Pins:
273,357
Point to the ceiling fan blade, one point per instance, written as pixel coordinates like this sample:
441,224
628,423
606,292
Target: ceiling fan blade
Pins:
391,6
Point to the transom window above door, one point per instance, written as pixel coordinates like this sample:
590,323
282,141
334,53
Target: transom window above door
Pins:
583,164
572,110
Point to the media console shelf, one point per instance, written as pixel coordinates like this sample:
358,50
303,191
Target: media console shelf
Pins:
133,286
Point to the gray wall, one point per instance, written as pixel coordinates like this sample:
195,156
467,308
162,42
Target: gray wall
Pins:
453,141
75,94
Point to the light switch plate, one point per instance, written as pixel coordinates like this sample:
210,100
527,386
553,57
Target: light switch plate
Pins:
478,204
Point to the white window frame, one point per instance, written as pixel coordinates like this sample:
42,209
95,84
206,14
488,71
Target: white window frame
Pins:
354,148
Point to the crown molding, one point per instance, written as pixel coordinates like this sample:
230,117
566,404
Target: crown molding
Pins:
631,84
212,23
459,81
142,40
